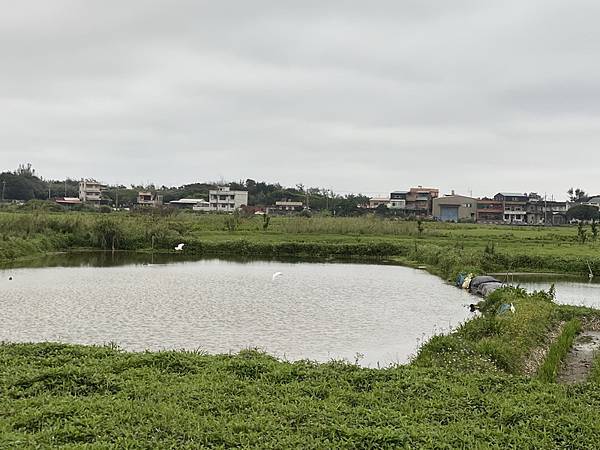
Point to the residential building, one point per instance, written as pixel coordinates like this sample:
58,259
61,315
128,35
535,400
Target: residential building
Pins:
202,206
455,208
149,199
68,202
226,200
546,212
419,201
594,201
285,206
187,203
90,192
515,206
397,200
490,211
377,201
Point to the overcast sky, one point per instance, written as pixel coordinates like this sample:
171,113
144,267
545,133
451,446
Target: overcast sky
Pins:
368,96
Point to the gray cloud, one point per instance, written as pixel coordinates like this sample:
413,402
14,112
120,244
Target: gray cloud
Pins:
352,95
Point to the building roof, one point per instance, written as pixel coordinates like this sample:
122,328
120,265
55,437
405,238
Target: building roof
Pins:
187,201
513,194
289,204
454,196
68,200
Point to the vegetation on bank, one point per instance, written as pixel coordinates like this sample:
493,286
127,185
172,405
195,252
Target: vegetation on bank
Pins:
444,248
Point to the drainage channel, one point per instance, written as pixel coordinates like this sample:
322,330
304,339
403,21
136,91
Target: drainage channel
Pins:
579,360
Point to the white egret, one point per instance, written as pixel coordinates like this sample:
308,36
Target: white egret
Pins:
512,308
179,247
277,275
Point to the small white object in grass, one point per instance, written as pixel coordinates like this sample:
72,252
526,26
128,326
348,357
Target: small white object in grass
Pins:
512,308
277,275
179,247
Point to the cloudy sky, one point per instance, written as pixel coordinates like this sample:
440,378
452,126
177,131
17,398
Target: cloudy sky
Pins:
480,96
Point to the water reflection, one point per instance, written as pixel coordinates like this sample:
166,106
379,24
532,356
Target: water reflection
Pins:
570,289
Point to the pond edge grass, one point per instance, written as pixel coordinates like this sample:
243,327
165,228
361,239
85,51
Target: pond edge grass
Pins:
548,371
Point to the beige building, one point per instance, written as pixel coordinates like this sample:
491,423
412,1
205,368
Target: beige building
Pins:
149,199
455,208
376,201
90,192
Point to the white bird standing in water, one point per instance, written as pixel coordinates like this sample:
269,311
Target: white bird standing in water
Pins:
179,247
277,275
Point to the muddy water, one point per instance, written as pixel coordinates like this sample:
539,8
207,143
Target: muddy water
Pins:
376,314
579,360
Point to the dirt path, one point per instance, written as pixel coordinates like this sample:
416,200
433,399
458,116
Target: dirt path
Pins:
578,362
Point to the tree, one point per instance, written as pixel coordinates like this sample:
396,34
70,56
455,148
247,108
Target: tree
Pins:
583,212
23,184
577,195
382,210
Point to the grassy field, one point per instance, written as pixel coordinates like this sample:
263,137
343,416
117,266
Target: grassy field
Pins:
446,248
489,384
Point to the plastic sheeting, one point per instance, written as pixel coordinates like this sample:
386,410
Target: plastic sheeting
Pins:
486,289
478,281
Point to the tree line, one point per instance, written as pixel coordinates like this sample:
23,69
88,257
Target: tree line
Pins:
23,184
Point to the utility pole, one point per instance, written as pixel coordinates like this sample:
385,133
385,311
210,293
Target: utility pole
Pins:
65,188
545,209
332,201
49,192
3,188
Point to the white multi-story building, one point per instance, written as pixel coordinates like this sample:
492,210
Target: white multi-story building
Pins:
90,192
226,200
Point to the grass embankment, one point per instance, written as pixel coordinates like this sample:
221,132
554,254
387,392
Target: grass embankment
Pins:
558,351
462,391
595,372
445,248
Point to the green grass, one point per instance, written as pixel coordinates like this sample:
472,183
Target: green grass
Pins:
558,351
58,395
497,342
445,248
595,372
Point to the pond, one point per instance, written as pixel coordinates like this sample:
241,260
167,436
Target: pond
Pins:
570,290
376,314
